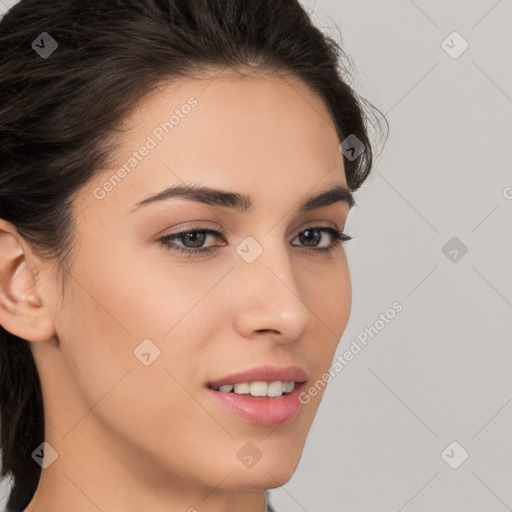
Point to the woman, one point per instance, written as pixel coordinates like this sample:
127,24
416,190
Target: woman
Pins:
175,177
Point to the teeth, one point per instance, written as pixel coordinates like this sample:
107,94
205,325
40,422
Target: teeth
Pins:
288,387
259,388
242,389
274,388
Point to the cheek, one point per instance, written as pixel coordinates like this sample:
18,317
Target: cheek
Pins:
124,303
330,299
104,326
328,293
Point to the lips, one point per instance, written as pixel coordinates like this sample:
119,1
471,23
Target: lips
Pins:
265,373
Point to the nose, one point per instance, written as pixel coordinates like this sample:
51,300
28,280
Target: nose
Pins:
270,302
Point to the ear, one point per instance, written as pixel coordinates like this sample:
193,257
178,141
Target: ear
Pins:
23,311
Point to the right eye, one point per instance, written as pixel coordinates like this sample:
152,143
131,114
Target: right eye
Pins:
195,237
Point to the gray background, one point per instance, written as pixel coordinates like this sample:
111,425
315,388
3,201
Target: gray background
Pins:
438,372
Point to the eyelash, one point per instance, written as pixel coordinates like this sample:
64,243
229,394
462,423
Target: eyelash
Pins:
338,238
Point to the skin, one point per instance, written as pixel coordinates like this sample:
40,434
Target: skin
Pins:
131,437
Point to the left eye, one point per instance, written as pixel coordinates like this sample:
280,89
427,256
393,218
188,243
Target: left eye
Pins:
192,240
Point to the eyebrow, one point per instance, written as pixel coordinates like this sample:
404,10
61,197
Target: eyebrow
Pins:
243,202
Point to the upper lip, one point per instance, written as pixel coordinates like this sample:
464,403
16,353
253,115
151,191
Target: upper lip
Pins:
265,373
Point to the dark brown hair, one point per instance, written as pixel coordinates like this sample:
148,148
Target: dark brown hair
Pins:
59,115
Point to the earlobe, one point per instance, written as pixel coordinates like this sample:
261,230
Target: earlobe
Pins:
22,312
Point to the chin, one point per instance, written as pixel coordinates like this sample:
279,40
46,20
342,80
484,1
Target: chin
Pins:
264,477
275,467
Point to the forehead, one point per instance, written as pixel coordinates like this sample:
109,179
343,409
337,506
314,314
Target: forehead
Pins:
255,133
230,109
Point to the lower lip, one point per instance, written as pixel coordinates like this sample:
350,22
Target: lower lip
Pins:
261,410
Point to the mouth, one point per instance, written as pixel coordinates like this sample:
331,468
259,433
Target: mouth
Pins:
260,388
265,396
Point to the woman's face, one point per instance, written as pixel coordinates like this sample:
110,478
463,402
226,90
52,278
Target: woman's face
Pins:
146,330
